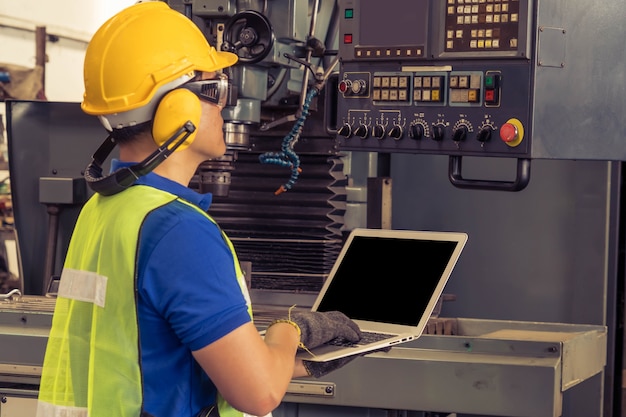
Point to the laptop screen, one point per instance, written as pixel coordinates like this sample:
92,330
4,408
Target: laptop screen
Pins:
387,279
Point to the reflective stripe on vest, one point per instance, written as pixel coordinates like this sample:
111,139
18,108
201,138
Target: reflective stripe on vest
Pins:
92,360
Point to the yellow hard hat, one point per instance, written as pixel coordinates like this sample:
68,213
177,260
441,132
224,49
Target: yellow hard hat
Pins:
142,51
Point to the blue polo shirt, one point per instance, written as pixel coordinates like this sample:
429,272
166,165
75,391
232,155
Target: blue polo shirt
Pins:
188,297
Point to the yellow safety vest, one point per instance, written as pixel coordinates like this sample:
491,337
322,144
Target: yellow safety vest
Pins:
92,364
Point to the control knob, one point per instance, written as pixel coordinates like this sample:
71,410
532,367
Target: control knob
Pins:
484,134
362,131
460,133
345,130
439,131
379,131
416,131
396,132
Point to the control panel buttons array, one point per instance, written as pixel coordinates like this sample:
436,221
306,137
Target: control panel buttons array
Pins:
402,99
465,88
511,132
433,89
393,88
428,88
473,25
353,87
492,89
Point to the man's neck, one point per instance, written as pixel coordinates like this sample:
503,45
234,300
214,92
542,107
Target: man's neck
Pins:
179,167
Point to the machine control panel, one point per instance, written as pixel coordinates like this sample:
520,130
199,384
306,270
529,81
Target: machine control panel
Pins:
445,111
435,76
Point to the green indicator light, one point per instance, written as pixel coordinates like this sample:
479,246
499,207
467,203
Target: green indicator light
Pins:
489,81
349,14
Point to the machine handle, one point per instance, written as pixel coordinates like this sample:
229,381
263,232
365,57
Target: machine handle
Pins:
521,181
10,294
330,104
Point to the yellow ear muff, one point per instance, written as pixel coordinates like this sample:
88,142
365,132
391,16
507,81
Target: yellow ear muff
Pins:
174,110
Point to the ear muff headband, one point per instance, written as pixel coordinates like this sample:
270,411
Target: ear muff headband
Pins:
175,108
125,177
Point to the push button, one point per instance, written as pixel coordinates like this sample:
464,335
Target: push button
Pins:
492,89
512,132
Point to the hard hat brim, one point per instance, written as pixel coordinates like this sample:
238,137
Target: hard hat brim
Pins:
224,60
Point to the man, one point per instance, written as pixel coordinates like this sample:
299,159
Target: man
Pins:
153,317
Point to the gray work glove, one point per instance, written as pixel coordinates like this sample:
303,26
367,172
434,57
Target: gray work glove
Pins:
319,369
318,328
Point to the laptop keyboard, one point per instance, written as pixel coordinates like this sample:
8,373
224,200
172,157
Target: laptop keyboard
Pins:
366,338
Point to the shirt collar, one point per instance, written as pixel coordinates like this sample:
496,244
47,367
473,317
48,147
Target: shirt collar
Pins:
161,183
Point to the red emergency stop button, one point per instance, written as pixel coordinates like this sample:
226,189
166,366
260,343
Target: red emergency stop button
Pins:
512,132
508,132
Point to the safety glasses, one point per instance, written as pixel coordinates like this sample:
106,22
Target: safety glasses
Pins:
214,90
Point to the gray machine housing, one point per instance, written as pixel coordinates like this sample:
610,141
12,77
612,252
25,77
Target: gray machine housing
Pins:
559,69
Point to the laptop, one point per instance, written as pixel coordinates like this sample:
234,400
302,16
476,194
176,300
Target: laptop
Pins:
388,282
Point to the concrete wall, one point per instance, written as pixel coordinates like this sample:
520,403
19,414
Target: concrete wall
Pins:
70,24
